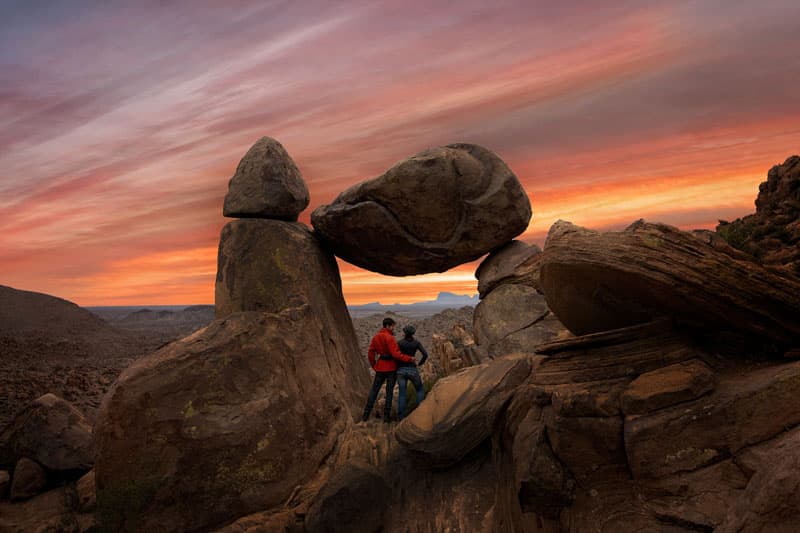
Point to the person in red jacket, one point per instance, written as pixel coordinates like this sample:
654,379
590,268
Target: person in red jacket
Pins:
383,354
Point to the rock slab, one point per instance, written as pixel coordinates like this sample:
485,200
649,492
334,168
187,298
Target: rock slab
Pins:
459,412
595,282
267,184
516,262
438,209
667,386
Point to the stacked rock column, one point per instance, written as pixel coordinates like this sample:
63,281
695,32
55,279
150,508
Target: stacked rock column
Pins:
269,262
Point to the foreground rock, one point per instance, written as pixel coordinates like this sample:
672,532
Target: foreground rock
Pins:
231,418
269,266
460,411
267,184
51,432
772,235
600,281
667,386
438,209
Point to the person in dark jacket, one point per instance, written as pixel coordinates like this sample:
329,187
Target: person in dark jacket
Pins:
408,371
384,354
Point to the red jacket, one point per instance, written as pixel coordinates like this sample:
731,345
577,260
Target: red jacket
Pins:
384,343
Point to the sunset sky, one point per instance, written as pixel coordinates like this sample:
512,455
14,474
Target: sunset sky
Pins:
120,126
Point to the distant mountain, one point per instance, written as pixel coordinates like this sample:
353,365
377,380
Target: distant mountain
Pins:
443,301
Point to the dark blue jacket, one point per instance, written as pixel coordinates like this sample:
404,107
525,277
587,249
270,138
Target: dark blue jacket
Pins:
409,347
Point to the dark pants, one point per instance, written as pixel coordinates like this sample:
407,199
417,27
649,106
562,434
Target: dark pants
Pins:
404,375
377,383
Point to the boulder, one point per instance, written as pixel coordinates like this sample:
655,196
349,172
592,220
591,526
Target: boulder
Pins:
29,480
514,318
516,262
51,432
438,209
460,411
600,281
5,483
745,408
269,266
667,386
354,499
221,424
267,184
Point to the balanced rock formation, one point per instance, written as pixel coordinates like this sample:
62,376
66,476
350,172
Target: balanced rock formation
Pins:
600,281
51,432
438,209
460,411
231,418
267,184
772,235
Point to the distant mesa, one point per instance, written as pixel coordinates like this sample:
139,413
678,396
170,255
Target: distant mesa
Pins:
438,209
267,184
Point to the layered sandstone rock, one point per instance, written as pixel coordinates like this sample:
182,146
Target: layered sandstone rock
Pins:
438,209
51,432
267,184
231,418
600,281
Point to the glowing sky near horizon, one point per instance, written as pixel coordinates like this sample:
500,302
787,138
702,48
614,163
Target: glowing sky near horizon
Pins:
121,123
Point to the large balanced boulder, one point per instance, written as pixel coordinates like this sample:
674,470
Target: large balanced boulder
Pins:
600,281
438,209
267,184
460,411
221,424
51,432
270,265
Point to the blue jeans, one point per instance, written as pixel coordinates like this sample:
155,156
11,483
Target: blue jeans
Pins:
404,374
